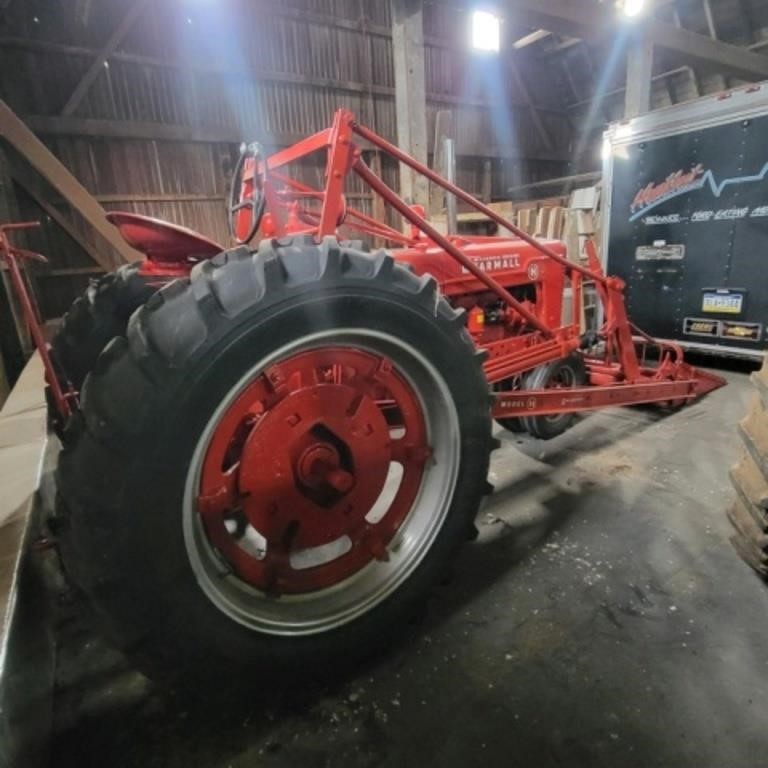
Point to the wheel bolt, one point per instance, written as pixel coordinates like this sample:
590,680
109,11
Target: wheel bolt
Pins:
340,480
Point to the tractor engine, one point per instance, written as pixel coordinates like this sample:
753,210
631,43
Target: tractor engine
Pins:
532,278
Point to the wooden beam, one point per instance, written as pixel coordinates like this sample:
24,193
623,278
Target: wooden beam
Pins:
119,129
637,98
22,174
564,44
46,163
714,53
97,65
692,74
530,39
179,197
204,68
70,272
410,94
562,181
591,21
619,91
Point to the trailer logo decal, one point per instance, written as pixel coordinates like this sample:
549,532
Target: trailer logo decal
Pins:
681,182
675,184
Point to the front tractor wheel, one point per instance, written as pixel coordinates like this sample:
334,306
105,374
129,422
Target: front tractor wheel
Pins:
277,466
561,374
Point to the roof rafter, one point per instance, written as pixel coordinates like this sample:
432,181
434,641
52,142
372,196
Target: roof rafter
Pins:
590,21
97,65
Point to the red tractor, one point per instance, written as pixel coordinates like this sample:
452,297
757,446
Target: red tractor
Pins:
268,463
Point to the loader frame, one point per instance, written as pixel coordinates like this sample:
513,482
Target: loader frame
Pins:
618,373
616,357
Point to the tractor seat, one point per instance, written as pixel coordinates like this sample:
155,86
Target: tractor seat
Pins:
161,241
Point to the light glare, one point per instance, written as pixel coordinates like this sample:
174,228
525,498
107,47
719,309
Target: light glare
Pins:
633,7
486,31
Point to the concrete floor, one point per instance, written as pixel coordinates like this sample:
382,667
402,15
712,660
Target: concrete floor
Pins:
601,619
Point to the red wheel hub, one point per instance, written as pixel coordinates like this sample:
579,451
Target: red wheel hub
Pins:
299,462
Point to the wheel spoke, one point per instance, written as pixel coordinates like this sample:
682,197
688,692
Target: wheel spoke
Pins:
409,453
221,498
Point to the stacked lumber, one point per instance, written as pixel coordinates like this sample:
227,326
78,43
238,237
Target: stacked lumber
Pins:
748,512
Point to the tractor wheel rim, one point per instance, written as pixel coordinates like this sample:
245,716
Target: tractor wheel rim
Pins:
307,502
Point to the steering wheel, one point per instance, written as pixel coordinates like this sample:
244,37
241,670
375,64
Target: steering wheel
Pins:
255,202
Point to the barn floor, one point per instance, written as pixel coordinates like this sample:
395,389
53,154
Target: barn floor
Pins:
601,619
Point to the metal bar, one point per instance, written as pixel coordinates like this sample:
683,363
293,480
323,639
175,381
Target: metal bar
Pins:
14,335
306,146
398,154
543,402
339,153
377,207
374,225
97,65
30,315
449,168
419,222
525,358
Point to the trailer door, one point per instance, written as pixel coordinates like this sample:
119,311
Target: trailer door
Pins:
689,217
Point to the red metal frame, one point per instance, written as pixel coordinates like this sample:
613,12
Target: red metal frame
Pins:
616,375
526,334
10,255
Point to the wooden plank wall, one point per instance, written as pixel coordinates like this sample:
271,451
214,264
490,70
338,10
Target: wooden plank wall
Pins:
250,69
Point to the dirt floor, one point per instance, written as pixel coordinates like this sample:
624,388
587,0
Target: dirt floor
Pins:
601,619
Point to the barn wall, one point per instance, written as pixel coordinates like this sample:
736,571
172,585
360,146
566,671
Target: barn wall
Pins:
245,69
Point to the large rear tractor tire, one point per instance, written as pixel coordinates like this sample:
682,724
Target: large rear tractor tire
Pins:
98,316
748,512
243,513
